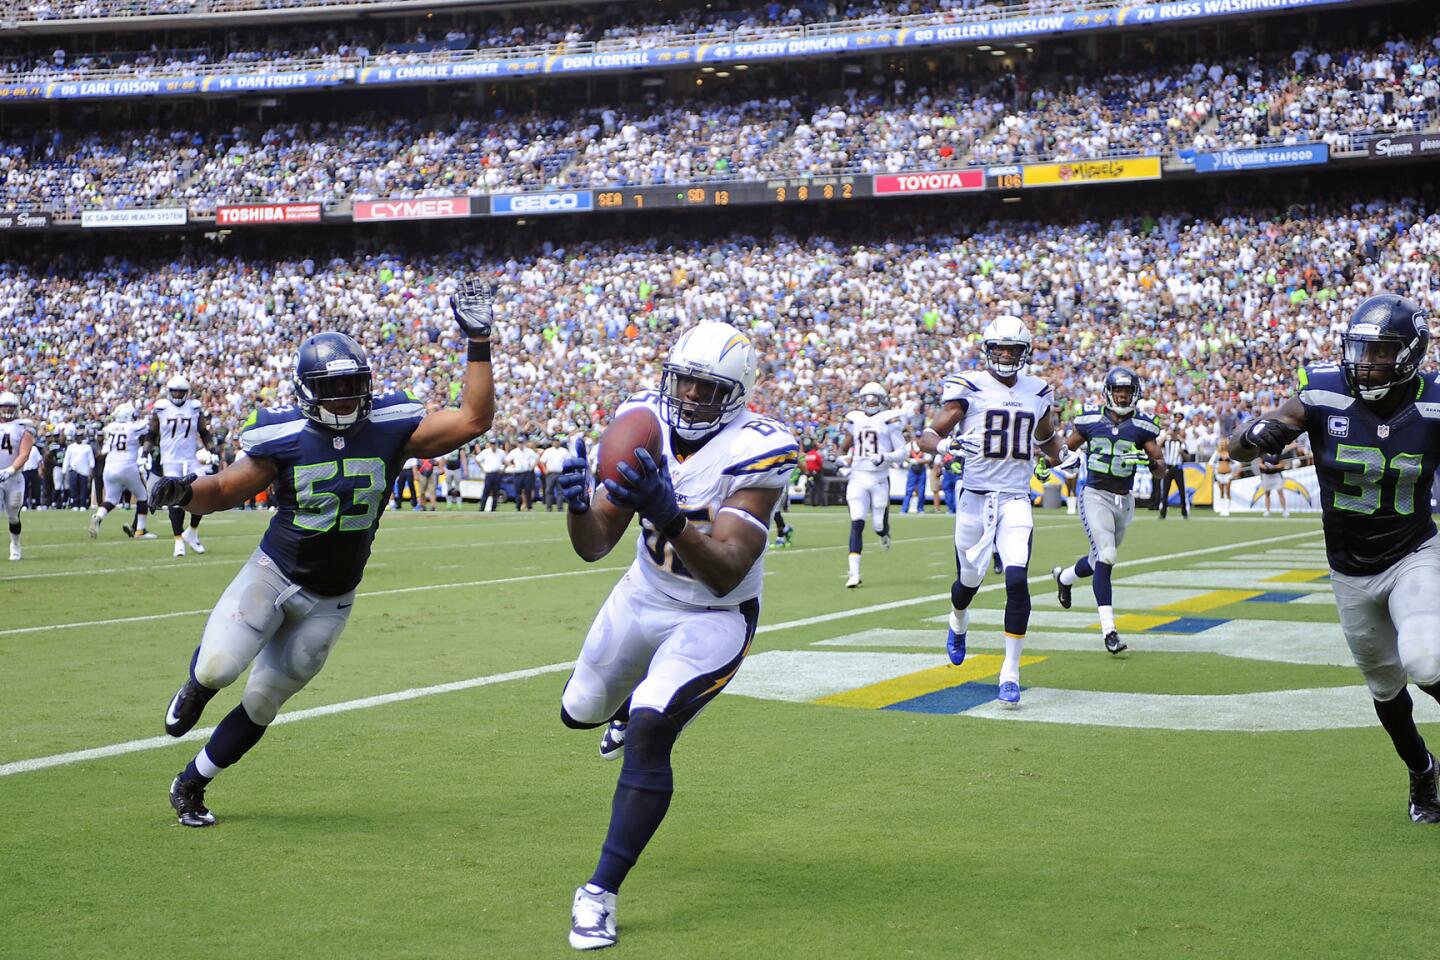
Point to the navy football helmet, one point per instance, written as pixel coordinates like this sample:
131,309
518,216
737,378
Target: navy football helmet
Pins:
1384,345
1122,378
333,367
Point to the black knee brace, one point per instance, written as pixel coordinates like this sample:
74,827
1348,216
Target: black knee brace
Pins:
1017,601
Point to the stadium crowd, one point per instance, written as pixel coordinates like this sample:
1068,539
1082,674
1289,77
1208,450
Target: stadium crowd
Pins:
1330,94
1216,313
711,18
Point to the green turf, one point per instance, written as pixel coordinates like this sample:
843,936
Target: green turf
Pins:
458,825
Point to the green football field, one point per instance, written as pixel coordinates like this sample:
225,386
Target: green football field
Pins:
1221,791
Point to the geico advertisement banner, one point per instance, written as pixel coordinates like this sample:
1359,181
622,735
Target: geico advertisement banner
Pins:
1091,171
528,204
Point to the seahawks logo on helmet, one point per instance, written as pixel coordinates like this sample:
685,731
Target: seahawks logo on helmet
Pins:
1117,380
331,372
1384,345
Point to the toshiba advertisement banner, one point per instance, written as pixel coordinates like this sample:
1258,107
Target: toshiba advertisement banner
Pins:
414,208
935,181
255,214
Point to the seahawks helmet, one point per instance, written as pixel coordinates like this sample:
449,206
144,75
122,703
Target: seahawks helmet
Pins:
1122,378
332,366
178,389
1384,345
1007,344
872,397
720,361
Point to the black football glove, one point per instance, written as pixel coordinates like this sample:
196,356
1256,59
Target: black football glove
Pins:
574,480
1270,436
648,491
474,309
172,491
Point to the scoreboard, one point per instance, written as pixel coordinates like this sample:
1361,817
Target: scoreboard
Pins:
789,190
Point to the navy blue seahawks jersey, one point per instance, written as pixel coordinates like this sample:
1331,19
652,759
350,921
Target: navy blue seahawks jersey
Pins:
1110,446
330,488
1374,474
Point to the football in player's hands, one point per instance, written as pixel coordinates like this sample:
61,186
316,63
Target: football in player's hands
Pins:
637,429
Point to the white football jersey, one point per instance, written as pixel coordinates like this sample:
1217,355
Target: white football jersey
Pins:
1002,420
11,433
872,435
122,443
750,451
179,430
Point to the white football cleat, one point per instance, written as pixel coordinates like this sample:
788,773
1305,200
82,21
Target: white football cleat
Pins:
885,541
95,519
146,535
853,580
193,539
179,546
14,551
592,919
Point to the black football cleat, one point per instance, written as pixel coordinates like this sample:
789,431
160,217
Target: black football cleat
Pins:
185,708
1424,802
188,799
1062,589
1113,643
999,566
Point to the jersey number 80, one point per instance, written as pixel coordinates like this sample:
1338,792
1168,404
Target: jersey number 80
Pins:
1009,437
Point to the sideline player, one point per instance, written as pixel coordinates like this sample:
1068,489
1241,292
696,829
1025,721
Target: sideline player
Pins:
17,438
332,458
1004,418
123,437
675,629
1116,441
1374,425
874,439
178,425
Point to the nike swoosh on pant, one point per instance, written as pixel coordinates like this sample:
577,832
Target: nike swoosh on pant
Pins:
342,606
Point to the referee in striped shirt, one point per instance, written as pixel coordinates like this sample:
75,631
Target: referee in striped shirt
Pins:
1172,446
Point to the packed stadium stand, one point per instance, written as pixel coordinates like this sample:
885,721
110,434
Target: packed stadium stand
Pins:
1215,288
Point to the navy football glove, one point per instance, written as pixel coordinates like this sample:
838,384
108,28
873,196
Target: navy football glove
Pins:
1270,436
474,309
172,491
648,491
574,480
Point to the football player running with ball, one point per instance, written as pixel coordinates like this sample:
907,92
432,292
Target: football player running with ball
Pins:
1004,419
675,629
332,459
1117,440
1374,425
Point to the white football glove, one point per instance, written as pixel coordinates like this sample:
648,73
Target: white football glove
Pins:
6,474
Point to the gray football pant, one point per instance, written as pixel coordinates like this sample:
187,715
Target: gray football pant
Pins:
285,630
1106,517
1391,620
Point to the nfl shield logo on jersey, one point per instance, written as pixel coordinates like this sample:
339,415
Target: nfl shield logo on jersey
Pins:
339,443
1383,430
